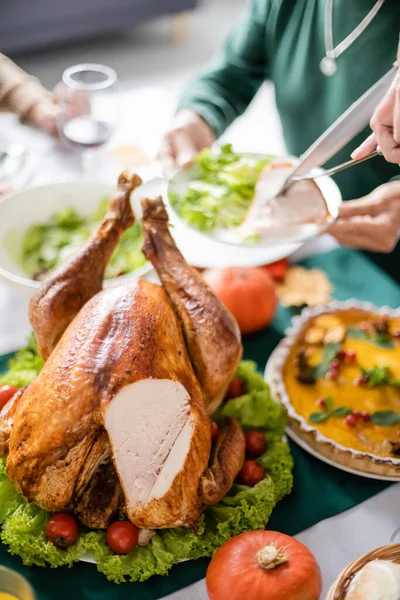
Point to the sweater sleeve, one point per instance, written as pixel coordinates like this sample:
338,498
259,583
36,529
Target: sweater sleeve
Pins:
18,90
225,89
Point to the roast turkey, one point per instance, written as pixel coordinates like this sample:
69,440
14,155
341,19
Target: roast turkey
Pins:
117,419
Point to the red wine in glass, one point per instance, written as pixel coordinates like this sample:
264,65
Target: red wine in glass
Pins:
86,132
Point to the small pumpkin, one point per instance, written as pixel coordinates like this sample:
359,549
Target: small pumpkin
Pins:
249,293
263,565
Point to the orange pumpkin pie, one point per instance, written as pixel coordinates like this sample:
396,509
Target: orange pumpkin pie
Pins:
338,374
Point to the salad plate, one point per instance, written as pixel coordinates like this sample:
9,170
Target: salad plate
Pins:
207,253
213,198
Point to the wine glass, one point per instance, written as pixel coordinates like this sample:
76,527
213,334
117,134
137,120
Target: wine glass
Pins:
88,111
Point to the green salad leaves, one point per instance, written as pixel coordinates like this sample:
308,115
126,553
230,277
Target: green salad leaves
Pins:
24,367
48,245
242,509
221,193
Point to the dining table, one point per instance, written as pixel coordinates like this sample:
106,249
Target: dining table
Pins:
338,515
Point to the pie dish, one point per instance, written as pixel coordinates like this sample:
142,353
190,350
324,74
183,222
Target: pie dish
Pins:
337,372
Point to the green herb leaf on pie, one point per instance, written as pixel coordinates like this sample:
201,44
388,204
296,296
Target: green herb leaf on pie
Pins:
380,376
319,417
356,333
385,418
377,376
382,340
329,403
341,411
330,352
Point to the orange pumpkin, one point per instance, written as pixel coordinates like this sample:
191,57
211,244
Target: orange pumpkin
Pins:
263,565
249,293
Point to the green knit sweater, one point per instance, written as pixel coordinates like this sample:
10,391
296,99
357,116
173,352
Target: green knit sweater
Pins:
283,40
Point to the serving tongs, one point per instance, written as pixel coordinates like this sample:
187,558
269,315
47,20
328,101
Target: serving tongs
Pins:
314,174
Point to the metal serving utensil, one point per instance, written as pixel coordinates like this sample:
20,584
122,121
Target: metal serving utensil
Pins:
346,165
342,131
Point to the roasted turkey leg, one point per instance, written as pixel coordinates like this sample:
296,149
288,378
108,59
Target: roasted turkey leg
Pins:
66,290
211,332
227,457
101,499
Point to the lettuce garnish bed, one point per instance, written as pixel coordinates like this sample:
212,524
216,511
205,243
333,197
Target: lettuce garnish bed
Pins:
23,525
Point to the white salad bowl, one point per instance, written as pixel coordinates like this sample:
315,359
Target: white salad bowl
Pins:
36,205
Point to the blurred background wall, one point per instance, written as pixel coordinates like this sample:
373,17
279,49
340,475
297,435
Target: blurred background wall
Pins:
148,42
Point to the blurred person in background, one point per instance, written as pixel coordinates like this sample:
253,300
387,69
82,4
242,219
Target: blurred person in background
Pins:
322,55
24,95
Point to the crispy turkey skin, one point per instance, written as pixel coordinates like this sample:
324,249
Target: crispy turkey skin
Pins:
227,457
211,332
125,335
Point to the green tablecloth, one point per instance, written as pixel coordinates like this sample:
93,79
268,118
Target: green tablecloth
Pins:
320,491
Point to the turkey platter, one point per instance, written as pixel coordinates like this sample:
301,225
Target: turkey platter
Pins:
118,420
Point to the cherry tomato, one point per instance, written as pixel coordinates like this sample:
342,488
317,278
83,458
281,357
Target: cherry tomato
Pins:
62,530
236,388
278,269
255,443
122,537
214,431
251,473
6,393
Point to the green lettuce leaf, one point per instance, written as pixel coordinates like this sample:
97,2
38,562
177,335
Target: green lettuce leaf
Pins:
256,409
221,193
242,509
48,245
24,367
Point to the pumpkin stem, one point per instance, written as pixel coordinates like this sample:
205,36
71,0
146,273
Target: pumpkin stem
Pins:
270,557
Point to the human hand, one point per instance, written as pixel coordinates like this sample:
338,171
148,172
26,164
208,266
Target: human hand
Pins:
371,223
43,114
188,134
385,125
